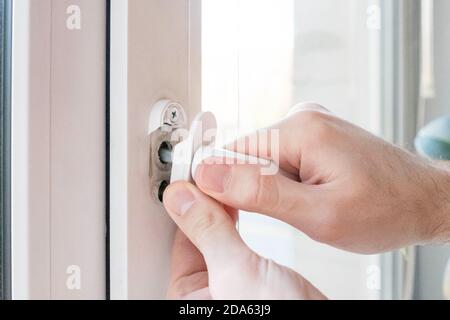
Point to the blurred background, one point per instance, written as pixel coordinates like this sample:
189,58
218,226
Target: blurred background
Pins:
383,65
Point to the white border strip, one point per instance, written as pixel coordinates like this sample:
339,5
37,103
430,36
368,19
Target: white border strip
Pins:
119,158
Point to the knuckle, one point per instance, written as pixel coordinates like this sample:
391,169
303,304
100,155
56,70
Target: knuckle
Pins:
303,106
322,130
310,116
317,124
312,105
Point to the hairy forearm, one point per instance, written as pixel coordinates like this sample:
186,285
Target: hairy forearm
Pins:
442,231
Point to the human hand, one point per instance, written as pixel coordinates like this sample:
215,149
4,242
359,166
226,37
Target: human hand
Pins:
352,190
211,261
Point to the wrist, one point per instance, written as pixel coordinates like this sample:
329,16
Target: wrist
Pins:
440,230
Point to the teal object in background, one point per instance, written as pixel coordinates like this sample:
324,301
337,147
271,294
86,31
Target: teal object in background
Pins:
433,141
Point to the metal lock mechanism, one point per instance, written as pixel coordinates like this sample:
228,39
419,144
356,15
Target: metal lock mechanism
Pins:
166,118
176,153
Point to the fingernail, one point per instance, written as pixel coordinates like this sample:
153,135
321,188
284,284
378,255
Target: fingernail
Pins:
213,177
179,200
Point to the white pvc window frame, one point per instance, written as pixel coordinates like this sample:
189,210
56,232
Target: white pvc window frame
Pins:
155,55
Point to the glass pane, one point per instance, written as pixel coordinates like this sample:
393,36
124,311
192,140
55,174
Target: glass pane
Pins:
260,57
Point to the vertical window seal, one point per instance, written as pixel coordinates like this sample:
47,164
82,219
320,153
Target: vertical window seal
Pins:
107,146
5,148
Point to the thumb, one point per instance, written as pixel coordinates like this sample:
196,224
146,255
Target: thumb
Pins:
234,271
206,223
244,187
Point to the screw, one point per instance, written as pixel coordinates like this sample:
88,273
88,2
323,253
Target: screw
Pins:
174,114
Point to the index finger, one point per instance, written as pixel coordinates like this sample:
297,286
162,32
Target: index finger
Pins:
279,142
188,269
